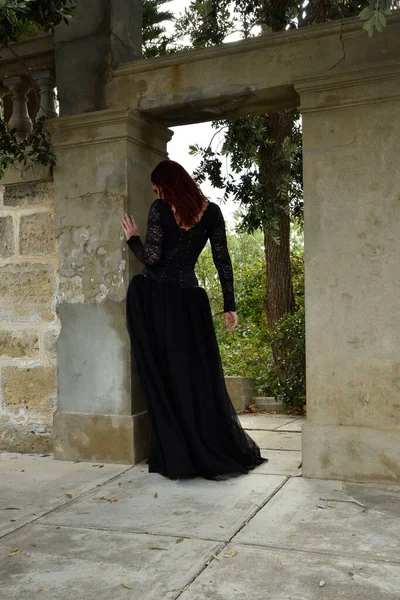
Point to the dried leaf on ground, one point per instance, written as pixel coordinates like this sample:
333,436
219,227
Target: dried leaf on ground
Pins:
44,587
231,554
156,495
215,556
11,508
107,499
156,548
69,495
179,540
125,585
15,552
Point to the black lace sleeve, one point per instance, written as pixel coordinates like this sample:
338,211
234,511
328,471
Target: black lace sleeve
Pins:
150,252
222,260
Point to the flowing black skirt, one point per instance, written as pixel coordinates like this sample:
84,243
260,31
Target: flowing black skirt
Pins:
194,428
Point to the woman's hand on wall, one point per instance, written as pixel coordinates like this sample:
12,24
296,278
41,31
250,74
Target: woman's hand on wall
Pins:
129,226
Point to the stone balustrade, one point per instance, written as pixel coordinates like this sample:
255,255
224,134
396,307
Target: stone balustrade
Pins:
28,83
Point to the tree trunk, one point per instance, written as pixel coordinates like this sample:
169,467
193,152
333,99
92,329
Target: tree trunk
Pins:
279,297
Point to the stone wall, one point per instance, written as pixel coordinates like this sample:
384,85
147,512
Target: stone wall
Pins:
28,322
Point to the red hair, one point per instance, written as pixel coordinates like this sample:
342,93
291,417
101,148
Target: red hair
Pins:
179,190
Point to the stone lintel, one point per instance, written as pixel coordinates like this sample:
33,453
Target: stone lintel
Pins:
255,75
119,439
351,453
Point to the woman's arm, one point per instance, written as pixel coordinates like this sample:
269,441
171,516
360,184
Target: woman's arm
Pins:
222,261
150,252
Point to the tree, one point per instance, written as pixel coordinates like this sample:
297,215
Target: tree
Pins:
265,151
155,40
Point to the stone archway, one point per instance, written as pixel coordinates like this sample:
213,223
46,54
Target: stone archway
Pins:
348,90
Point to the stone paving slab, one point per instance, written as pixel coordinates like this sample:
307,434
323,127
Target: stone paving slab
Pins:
281,462
147,502
266,422
293,426
86,564
293,520
275,440
36,484
271,574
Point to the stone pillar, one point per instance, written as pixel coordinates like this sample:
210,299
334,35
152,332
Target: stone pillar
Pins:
351,132
104,161
102,35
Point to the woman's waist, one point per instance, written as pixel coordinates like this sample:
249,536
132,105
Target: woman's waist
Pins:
185,277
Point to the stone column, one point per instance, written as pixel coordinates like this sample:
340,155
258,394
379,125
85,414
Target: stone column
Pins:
104,161
351,129
102,35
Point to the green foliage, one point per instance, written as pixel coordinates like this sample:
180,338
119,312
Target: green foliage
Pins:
44,14
375,15
206,22
288,336
155,40
34,149
246,140
247,352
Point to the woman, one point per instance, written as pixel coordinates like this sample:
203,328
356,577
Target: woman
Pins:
195,430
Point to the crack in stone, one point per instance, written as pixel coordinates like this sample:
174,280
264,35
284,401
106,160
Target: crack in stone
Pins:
344,53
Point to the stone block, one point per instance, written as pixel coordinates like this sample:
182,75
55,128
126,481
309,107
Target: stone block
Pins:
27,293
6,237
29,194
25,438
351,453
37,235
19,344
33,388
101,438
50,343
241,390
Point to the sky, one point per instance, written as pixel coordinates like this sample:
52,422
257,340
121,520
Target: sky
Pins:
200,133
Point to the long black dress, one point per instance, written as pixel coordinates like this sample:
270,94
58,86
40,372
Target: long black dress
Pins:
194,427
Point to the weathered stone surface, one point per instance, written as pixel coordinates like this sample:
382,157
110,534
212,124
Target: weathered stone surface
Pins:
29,194
275,440
33,389
351,453
95,565
6,237
48,482
257,573
319,516
50,343
105,438
29,437
224,505
241,390
37,235
19,344
27,293
352,271
109,29
236,79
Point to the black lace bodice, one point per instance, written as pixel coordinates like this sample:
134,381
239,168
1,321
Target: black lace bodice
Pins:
170,252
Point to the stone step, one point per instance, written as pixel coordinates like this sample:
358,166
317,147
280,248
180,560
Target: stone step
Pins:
268,403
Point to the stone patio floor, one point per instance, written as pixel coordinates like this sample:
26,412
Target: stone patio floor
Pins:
88,531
